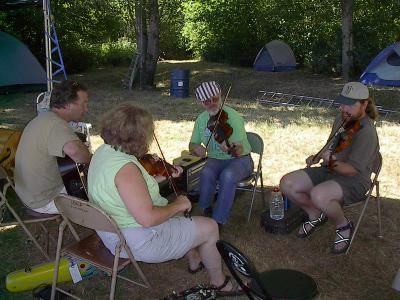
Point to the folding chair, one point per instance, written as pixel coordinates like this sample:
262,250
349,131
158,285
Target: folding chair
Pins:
250,183
92,249
376,168
274,284
25,216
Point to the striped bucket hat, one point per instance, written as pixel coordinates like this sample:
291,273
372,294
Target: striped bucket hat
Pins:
206,90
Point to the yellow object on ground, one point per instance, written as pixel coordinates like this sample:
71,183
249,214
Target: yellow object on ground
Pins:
25,280
9,140
185,159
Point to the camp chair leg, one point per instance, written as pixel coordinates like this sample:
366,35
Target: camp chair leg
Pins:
22,224
139,270
358,223
378,203
262,191
57,261
115,270
252,200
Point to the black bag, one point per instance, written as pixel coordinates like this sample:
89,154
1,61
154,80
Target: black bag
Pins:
292,219
198,292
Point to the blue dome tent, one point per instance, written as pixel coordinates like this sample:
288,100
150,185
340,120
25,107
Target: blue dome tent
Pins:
384,69
276,56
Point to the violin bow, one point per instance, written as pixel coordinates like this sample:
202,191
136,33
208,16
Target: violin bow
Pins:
187,213
219,115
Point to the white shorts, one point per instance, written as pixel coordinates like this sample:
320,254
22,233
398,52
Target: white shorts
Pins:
49,208
169,240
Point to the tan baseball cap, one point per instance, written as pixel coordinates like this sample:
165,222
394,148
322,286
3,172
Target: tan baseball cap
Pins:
353,92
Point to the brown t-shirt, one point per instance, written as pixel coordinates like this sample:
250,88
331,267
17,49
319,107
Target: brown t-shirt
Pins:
37,178
363,150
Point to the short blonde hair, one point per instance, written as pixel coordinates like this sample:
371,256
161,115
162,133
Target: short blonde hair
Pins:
128,128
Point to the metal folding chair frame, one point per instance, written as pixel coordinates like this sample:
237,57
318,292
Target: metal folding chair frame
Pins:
375,184
78,211
257,146
28,220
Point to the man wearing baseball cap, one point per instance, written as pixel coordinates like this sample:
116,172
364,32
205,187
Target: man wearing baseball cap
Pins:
229,158
345,171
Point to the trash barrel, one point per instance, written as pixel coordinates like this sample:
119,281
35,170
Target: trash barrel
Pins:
179,83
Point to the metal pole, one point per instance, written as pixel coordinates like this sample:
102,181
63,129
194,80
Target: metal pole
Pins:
47,38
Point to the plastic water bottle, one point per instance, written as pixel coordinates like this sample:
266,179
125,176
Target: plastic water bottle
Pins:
276,207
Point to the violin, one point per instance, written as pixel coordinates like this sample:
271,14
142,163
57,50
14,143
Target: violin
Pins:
222,130
344,139
156,167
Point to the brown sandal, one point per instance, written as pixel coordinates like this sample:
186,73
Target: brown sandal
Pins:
235,291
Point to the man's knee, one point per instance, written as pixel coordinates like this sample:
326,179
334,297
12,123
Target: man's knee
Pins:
319,199
228,176
287,184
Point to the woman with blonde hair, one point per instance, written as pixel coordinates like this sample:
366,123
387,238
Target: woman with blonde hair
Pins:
155,230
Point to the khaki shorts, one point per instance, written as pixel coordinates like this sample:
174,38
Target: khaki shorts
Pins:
352,187
169,240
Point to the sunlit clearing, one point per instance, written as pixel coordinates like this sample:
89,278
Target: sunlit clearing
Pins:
5,228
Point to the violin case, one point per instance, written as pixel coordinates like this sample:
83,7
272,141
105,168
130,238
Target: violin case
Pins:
292,219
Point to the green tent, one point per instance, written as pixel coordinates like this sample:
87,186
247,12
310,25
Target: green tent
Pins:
19,69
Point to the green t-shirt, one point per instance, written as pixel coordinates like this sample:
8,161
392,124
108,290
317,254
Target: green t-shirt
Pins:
105,164
201,134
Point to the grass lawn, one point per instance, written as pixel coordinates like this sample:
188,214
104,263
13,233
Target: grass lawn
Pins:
290,135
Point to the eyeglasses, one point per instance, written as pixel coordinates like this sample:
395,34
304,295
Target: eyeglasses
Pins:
213,99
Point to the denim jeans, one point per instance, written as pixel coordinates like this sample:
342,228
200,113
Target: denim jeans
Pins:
227,173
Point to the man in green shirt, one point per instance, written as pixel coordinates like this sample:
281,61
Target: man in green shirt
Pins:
228,156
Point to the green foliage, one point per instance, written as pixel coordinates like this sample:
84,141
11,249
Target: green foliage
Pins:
233,31
93,32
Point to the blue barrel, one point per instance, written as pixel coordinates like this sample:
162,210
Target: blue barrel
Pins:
179,83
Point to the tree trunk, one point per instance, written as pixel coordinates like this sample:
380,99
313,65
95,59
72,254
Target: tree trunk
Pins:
347,39
147,40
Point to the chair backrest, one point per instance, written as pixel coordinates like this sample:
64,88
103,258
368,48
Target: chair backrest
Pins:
86,214
238,264
256,143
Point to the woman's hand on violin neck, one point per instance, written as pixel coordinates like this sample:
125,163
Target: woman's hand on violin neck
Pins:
183,203
176,171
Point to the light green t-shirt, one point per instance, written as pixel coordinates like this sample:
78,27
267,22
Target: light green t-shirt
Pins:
37,178
201,134
104,166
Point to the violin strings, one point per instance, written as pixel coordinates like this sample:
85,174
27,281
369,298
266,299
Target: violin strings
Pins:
219,115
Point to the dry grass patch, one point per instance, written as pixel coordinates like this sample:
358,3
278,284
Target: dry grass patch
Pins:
290,135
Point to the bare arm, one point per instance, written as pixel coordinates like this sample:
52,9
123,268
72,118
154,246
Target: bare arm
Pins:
77,151
133,191
197,150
